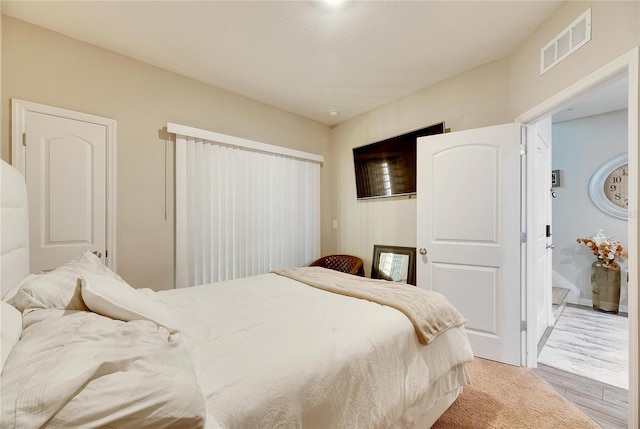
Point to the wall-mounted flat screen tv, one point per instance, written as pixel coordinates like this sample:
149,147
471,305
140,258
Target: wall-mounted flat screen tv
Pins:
388,168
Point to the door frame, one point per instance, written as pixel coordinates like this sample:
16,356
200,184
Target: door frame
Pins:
19,110
627,63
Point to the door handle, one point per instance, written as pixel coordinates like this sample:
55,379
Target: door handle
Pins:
551,246
97,253
423,251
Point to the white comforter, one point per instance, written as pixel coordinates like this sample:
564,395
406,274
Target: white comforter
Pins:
78,369
271,352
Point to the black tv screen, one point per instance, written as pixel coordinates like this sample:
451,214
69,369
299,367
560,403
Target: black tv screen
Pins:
388,168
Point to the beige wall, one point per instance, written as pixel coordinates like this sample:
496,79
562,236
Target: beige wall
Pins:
495,93
45,67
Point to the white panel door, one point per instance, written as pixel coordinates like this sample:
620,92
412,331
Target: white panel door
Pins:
469,231
65,161
539,227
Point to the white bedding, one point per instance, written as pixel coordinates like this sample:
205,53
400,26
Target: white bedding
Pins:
260,352
271,352
78,369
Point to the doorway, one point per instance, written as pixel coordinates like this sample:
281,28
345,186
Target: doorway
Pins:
625,65
586,346
587,135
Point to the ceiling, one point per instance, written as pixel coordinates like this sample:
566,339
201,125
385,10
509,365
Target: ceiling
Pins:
309,58
608,97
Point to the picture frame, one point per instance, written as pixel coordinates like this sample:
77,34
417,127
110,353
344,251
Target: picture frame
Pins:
394,263
555,178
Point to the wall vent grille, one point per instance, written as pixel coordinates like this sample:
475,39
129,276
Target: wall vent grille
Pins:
567,42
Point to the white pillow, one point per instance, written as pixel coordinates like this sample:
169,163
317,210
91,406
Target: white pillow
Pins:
60,288
11,330
14,290
118,300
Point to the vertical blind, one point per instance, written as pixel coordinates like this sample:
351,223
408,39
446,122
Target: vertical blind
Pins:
242,207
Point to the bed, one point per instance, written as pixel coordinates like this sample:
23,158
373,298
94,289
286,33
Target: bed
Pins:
288,349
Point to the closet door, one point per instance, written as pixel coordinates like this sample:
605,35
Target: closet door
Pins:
469,232
66,166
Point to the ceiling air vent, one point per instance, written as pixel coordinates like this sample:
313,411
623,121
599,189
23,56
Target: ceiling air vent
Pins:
567,42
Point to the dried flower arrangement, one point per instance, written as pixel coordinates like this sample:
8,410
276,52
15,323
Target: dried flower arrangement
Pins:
605,248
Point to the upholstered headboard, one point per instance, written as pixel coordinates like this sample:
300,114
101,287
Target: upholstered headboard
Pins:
14,227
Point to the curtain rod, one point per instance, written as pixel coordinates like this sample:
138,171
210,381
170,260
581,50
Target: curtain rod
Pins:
241,142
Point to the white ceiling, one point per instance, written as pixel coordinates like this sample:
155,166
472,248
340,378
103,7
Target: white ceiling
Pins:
610,96
305,57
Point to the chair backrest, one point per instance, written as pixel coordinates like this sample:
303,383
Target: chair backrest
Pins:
344,263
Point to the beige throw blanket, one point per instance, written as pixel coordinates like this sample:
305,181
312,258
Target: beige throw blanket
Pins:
430,312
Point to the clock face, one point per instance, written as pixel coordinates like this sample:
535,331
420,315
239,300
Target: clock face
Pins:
609,187
616,186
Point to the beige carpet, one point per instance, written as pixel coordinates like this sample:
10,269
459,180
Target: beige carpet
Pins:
503,396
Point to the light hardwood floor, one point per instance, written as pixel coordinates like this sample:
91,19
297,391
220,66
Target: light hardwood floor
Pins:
591,344
606,405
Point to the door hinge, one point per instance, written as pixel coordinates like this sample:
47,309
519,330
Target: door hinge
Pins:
523,237
24,139
523,325
106,254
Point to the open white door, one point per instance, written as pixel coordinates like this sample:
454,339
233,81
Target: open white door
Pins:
469,206
539,226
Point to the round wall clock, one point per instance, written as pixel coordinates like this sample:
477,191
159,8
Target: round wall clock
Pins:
609,187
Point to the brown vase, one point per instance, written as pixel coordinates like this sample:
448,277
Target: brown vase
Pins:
605,286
